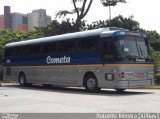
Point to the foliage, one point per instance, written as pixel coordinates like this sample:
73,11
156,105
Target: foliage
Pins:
154,39
156,57
155,44
107,3
153,35
119,21
56,28
9,36
81,11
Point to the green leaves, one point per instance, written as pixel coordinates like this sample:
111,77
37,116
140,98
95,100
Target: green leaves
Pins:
107,3
119,21
63,13
9,36
80,11
156,57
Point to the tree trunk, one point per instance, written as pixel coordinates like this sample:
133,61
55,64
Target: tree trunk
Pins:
78,24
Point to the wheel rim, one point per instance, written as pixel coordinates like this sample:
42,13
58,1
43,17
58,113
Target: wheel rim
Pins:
91,83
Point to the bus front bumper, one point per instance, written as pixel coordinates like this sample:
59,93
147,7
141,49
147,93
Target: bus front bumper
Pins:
128,84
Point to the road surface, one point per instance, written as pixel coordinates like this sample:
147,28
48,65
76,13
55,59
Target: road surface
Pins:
37,99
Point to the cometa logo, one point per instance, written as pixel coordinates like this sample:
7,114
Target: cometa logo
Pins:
61,60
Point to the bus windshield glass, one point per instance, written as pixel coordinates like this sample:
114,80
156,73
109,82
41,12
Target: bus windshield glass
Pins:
132,47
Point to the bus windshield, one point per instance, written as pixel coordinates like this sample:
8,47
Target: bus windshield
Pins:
132,47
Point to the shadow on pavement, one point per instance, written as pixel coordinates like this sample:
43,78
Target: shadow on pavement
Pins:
82,91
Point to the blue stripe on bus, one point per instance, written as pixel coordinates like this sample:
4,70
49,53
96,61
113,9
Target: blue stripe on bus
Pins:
80,58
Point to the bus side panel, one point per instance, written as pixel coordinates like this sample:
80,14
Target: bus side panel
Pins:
10,74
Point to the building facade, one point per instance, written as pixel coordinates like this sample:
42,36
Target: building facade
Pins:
19,22
7,17
1,22
38,18
23,22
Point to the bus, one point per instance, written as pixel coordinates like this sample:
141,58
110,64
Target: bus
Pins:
113,58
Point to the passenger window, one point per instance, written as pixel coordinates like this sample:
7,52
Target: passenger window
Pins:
8,52
12,51
19,51
88,44
67,46
50,47
34,50
25,51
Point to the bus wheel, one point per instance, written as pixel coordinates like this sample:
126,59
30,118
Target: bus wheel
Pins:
22,79
91,83
47,85
120,90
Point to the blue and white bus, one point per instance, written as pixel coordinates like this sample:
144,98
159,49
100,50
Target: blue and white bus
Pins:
110,57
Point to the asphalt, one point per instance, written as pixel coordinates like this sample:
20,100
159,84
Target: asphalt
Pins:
37,99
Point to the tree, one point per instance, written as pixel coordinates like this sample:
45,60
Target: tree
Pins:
155,44
9,36
153,35
81,12
156,57
127,23
154,39
109,3
56,28
119,21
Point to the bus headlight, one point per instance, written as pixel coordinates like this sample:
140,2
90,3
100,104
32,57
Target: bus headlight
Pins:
109,76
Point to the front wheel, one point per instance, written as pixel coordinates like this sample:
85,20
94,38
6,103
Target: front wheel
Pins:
91,83
22,80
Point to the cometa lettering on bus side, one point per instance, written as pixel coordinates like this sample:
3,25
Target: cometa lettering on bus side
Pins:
61,60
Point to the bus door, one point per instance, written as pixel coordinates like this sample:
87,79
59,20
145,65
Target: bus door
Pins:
109,58
108,50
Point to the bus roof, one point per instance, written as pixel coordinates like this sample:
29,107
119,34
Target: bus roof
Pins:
101,32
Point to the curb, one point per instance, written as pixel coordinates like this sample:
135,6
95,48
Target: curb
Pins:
154,87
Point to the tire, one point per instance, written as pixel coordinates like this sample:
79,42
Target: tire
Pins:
91,83
47,85
120,90
22,79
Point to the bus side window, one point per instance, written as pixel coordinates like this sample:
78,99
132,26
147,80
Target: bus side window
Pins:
50,48
25,51
108,50
22,51
34,49
67,46
88,44
8,52
12,52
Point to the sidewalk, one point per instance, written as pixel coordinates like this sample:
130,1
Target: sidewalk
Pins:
153,87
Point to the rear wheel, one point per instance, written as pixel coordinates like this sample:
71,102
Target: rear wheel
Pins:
91,83
47,85
22,79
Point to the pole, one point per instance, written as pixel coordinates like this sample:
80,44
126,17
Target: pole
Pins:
109,12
